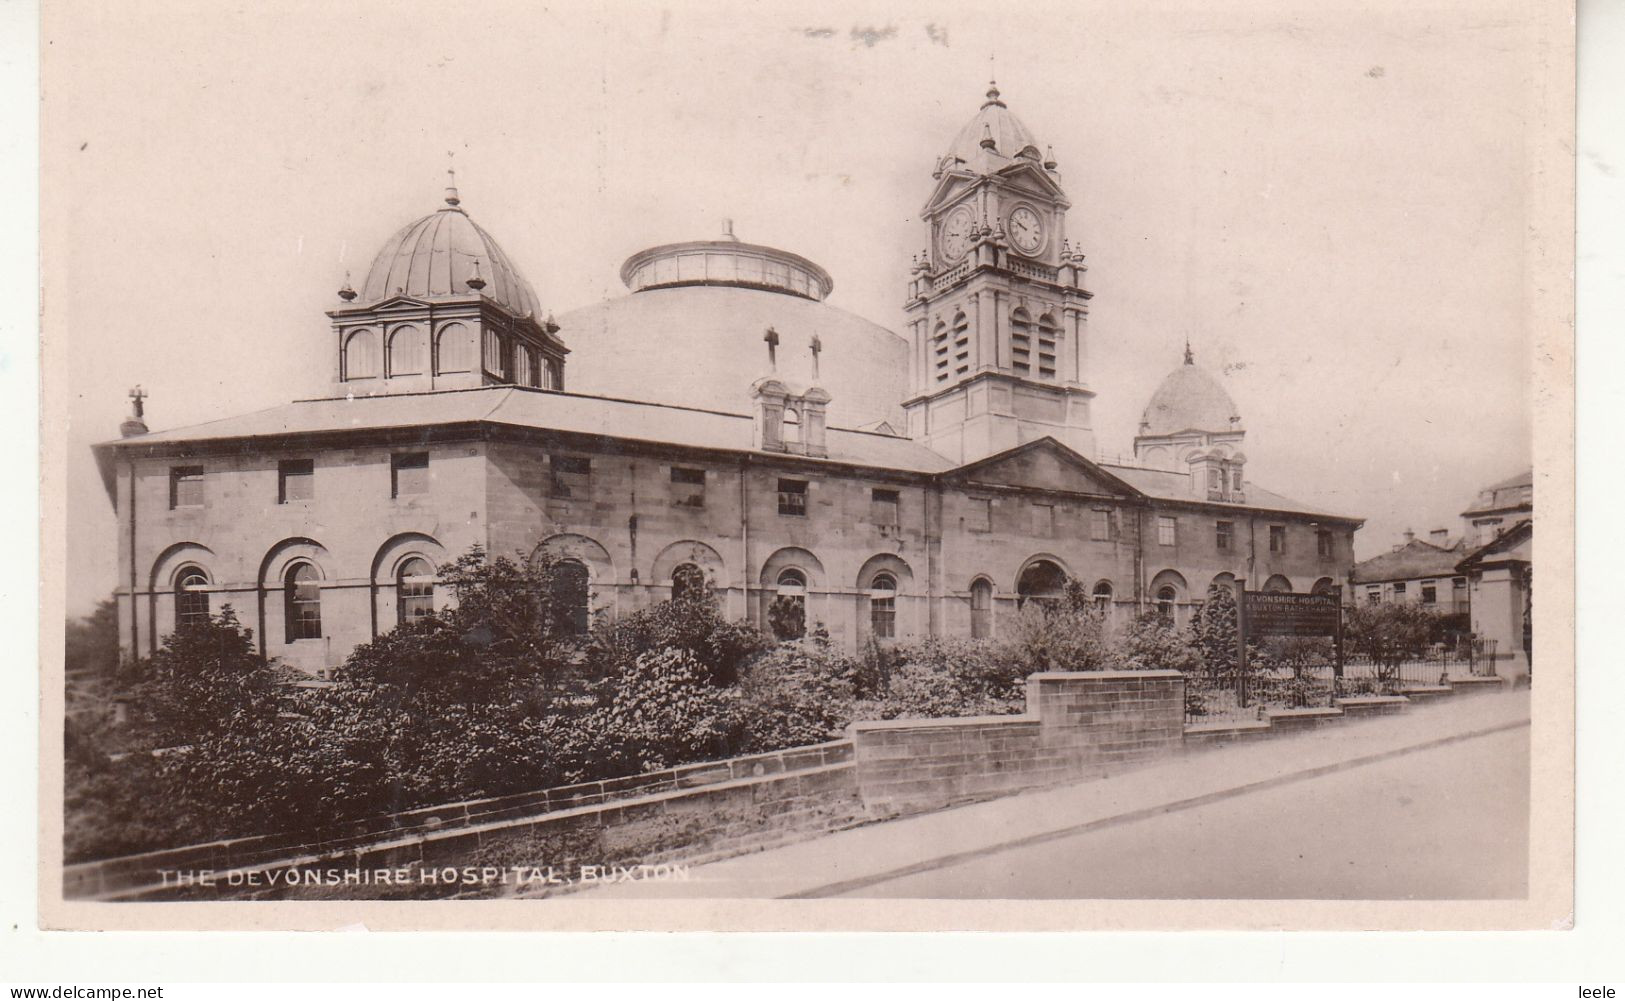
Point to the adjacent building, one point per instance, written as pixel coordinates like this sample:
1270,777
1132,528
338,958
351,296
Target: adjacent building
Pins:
721,425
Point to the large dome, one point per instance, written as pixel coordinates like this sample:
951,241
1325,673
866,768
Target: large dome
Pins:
996,121
436,255
691,334
1189,399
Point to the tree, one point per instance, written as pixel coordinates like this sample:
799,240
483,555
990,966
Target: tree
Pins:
1213,631
692,624
90,644
1064,635
205,680
1389,634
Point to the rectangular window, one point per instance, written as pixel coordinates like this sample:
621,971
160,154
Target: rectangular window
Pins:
1100,524
793,497
1235,480
296,480
1043,520
1399,592
409,472
979,514
1224,533
1167,531
1430,592
687,487
571,475
1373,594
1323,542
1277,538
186,486
883,505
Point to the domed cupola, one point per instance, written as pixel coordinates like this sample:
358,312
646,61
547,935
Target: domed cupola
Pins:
1191,424
994,131
1189,399
443,307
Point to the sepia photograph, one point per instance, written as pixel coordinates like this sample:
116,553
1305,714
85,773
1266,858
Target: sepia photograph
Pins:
712,466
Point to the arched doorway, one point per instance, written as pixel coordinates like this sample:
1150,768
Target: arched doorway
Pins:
1042,581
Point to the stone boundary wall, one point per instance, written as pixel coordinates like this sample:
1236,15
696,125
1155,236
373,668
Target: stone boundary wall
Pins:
127,874
1077,725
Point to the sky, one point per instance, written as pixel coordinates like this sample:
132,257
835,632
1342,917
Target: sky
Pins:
1330,203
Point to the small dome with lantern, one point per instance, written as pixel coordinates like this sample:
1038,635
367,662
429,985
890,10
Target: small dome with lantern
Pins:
446,253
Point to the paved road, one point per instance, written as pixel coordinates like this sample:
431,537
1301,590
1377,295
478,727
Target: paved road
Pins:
1445,823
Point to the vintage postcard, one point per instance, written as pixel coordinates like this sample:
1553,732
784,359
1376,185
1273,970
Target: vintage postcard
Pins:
725,466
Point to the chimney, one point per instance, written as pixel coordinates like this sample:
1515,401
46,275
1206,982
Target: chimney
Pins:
1439,537
1410,536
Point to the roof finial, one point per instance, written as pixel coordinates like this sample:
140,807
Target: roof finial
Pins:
817,346
992,84
135,424
987,137
347,293
1190,359
772,339
452,198
474,281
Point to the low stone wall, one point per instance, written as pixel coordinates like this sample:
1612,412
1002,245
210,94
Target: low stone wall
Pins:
134,875
1076,725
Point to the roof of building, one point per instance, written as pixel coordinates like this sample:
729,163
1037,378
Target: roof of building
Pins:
1189,399
435,256
532,408
1411,560
1511,546
630,420
996,121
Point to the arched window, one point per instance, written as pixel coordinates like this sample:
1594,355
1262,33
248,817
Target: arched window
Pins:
553,376
789,611
302,602
406,354
981,608
524,366
1049,332
1102,597
1322,586
191,601
939,351
883,606
571,595
1043,582
1021,342
361,356
687,582
961,344
496,360
1167,598
791,433
454,350
414,590
1277,584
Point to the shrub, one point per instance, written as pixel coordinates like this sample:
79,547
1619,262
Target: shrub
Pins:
1059,636
1150,643
797,693
948,677
665,711
694,626
1389,634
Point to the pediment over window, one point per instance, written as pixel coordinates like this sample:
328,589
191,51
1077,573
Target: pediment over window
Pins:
1045,464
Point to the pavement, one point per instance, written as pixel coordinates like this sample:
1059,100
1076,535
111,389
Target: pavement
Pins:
978,849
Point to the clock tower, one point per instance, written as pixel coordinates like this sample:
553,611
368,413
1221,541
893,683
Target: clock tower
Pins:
997,312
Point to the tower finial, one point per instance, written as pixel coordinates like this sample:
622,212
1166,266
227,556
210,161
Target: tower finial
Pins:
136,423
772,339
992,84
1190,359
817,346
452,198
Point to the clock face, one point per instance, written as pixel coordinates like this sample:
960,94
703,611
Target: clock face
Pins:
954,237
1026,230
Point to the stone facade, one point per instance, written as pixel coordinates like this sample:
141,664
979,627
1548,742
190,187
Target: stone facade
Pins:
323,522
